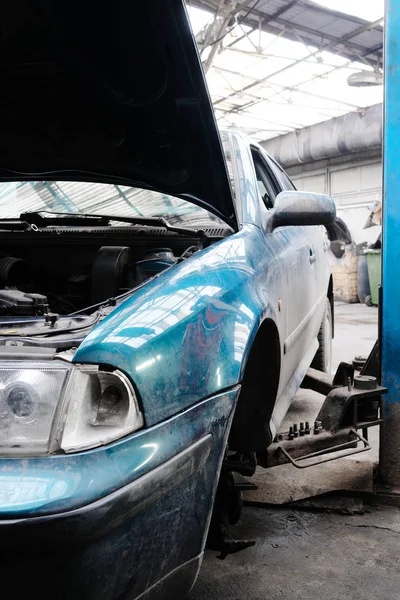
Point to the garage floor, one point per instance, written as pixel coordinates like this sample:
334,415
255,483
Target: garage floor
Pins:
304,554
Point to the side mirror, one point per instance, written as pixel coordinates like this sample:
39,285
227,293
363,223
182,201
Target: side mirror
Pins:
302,208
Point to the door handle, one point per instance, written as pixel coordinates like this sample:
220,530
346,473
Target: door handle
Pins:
312,257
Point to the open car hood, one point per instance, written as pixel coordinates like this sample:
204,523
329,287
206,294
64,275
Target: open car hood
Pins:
111,92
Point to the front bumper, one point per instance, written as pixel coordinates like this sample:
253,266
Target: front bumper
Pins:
143,537
93,521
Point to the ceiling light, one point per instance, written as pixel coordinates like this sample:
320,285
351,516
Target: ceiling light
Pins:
365,79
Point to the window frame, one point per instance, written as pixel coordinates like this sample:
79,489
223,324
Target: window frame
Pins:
280,173
227,144
273,188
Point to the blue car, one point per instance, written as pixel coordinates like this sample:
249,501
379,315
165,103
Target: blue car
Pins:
163,290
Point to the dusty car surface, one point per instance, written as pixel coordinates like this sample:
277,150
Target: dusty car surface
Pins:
163,291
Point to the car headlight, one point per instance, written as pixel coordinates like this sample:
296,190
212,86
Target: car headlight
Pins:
46,407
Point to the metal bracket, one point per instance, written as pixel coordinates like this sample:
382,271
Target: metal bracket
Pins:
337,448
342,407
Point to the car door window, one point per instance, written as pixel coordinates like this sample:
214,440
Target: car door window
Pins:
267,188
282,177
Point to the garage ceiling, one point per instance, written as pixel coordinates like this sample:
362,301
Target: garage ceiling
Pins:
274,66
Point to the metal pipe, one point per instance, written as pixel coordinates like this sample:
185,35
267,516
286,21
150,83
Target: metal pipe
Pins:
349,133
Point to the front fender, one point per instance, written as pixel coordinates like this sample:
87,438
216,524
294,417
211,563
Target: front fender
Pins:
186,335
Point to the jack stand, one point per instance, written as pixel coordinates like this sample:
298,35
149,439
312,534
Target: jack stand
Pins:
353,402
227,511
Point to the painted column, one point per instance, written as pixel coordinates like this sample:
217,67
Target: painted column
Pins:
390,435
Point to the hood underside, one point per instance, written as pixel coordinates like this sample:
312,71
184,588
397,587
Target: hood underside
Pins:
110,92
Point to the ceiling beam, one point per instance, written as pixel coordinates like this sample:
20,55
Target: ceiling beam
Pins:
335,40
295,87
214,32
263,120
290,127
265,22
268,56
284,87
324,48
349,51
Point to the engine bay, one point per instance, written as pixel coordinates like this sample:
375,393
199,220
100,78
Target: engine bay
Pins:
62,276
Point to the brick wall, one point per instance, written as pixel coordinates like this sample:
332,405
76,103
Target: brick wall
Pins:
344,274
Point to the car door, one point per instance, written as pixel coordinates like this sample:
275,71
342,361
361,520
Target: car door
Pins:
318,242
299,251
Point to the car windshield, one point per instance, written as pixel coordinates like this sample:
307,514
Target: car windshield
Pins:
99,198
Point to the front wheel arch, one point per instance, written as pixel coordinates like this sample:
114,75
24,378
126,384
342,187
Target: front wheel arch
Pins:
250,429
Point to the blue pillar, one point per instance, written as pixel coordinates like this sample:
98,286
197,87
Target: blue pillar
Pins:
390,435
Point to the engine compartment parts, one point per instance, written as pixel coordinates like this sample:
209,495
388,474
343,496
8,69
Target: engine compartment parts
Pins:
15,302
67,331
71,278
45,218
110,272
14,271
61,290
154,262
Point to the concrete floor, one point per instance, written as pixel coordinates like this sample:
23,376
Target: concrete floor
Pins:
303,554
306,555
356,330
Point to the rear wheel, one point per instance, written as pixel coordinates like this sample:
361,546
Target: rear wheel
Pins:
323,357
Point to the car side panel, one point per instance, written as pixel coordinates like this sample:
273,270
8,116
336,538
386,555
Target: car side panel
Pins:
277,252
302,282
186,335
307,290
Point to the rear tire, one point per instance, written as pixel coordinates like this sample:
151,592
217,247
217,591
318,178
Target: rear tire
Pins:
323,357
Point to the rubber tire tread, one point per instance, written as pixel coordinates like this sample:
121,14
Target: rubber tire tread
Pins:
319,358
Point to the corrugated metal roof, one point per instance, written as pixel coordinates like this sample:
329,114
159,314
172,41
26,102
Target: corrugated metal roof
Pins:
274,66
317,26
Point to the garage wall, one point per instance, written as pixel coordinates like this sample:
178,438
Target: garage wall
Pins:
354,185
312,182
350,184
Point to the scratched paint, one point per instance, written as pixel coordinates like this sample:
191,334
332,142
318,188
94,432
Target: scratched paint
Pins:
183,339
193,327
53,484
186,336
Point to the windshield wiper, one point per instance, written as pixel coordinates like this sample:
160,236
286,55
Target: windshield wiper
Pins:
77,219
16,225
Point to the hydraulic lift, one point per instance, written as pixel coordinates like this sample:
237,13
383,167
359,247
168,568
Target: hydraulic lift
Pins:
353,404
